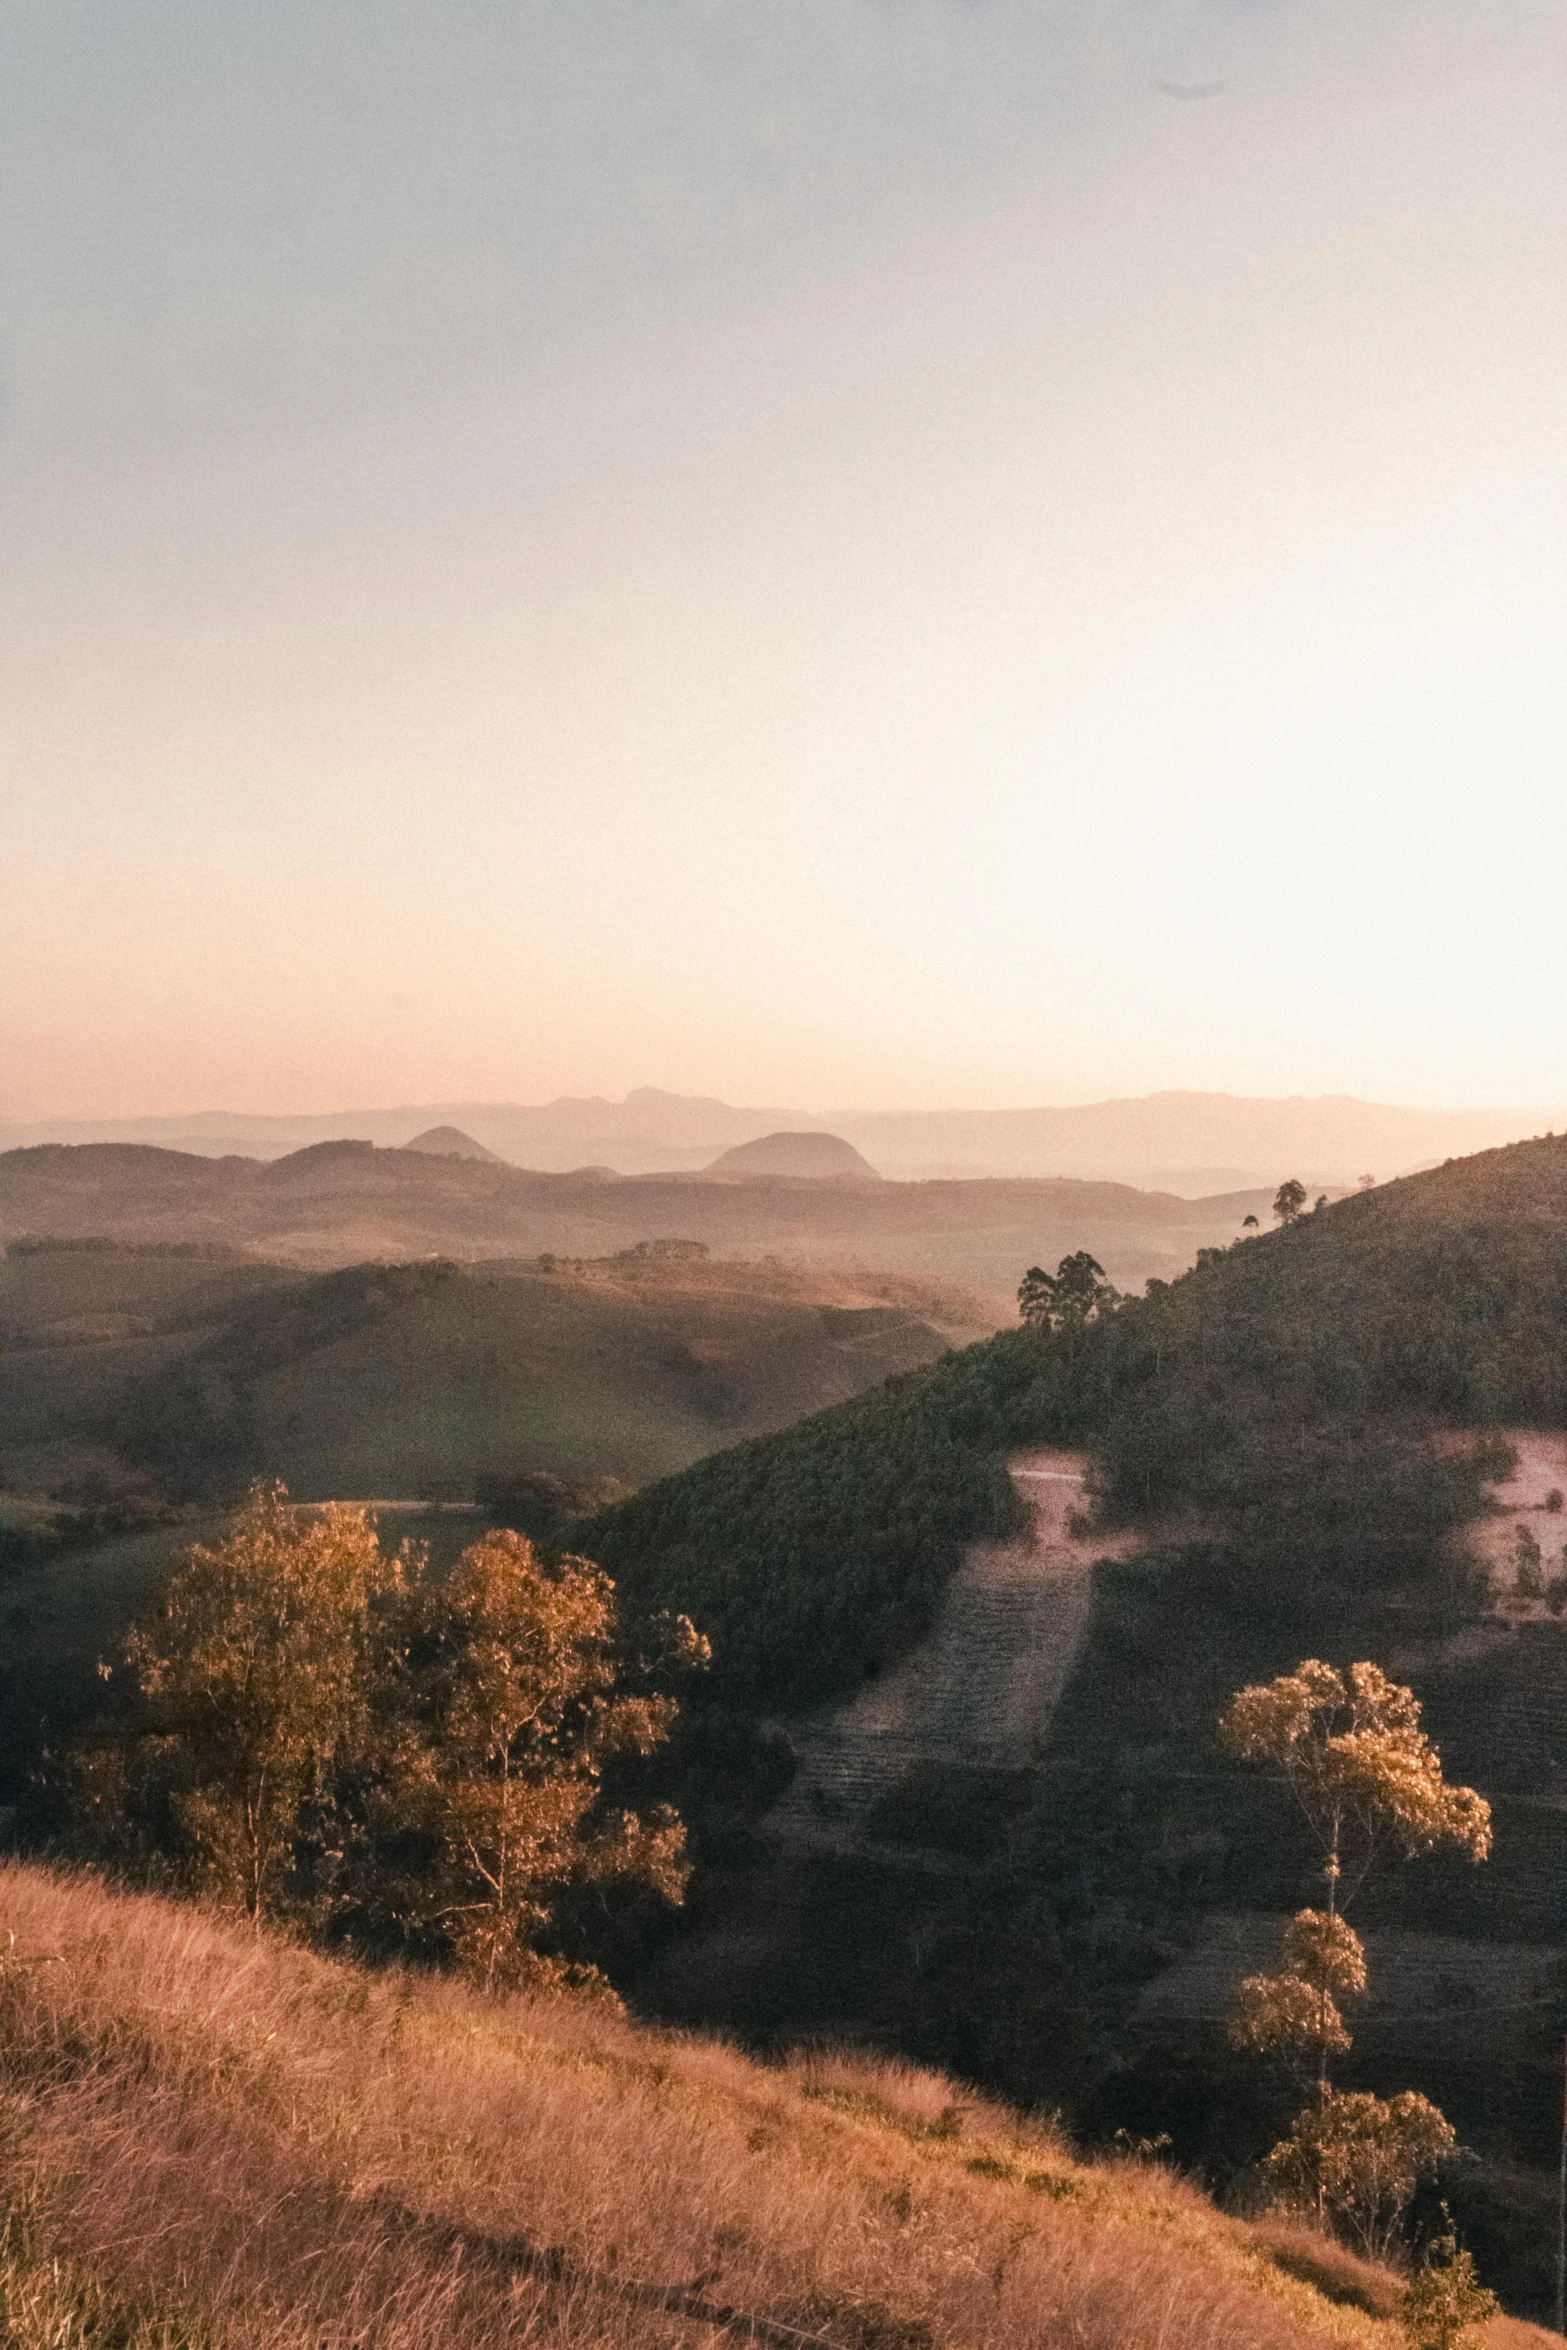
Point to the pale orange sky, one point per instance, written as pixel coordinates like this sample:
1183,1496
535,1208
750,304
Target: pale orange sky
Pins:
840,553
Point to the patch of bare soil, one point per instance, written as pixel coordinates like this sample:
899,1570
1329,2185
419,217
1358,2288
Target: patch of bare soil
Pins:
980,1692
1523,1542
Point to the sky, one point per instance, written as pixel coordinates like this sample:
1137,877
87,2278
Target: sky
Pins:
877,553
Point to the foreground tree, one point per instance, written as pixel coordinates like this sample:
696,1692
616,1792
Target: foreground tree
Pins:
514,1706
250,1686
320,1733
1368,1781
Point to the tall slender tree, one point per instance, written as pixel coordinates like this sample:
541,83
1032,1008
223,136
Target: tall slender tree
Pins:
1368,1782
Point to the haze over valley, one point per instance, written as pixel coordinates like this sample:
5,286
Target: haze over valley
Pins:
783,1175
1190,1143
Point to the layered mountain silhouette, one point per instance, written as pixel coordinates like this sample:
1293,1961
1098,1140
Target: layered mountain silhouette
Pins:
345,1201
1192,1143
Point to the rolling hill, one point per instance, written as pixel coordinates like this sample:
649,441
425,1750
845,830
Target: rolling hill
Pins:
137,1383
424,1378
450,1142
816,1158
1292,1450
339,1203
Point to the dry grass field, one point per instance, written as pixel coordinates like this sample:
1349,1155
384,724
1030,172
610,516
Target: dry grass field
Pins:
211,2139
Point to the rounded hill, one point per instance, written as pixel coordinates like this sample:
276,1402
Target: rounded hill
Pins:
450,1142
815,1157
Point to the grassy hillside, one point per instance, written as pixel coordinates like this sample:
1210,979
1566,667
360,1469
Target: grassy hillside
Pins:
128,1379
339,1203
418,1378
214,2139
79,1326
422,1378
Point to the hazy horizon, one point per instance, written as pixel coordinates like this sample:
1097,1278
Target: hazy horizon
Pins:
856,554
1197,1145
587,1094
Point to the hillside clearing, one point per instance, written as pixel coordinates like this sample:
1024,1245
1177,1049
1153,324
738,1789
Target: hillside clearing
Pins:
980,1689
1523,1508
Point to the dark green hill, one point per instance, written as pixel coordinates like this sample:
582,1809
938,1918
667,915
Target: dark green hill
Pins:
422,1379
1303,1425
1287,1387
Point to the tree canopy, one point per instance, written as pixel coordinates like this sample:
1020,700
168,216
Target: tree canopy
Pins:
313,1730
1074,1294
1361,1768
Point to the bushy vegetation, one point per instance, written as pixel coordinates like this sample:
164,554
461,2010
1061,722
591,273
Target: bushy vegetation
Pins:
314,1731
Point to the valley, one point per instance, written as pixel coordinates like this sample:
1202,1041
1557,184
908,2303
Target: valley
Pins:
975,1603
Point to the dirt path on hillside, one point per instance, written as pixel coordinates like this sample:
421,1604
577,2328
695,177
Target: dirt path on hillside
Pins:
981,1690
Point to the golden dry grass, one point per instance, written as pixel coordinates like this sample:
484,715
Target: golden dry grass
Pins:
213,2139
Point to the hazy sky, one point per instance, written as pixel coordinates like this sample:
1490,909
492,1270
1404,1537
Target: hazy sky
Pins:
837,551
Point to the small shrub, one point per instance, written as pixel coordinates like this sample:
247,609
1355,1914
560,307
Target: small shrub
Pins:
1528,1573
1444,2300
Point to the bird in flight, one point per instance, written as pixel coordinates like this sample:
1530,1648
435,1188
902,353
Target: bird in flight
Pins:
1191,89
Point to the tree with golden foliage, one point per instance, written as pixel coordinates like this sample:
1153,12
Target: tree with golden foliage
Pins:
1367,1780
1360,2159
514,1704
319,1732
253,1678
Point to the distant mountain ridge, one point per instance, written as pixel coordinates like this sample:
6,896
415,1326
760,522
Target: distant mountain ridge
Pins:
1191,1143
346,1201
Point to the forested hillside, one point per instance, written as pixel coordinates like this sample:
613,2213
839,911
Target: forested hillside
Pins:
1303,1427
1289,1389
